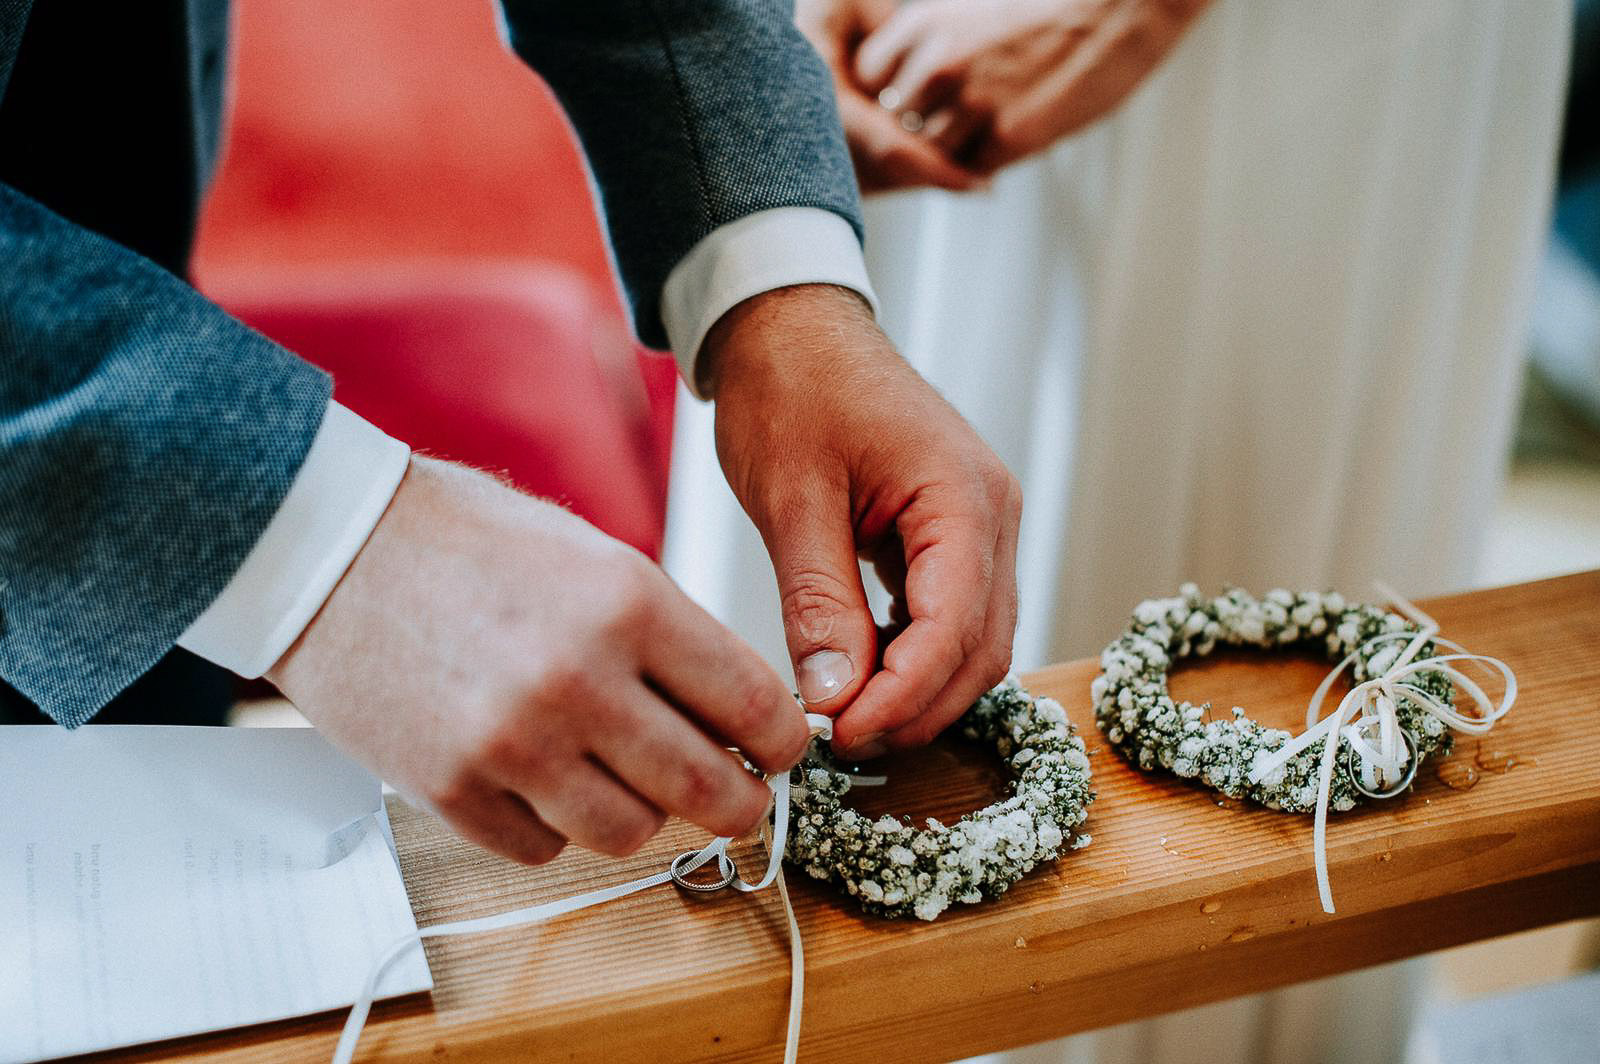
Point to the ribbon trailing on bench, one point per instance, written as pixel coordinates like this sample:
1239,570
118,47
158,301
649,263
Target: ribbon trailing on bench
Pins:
775,837
1387,767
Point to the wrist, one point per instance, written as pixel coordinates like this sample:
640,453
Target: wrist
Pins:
759,335
291,662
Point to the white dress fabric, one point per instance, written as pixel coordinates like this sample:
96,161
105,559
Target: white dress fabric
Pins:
1262,326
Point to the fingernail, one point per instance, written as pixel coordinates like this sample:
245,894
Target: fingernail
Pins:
866,747
823,675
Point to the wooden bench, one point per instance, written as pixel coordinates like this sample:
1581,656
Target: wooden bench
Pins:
1182,898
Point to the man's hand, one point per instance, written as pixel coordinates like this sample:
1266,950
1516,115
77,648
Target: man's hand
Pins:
838,449
886,154
998,80
533,680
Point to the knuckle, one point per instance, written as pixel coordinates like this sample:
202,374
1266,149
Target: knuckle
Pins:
751,718
812,603
700,789
452,797
511,755
919,732
994,664
1005,139
501,750
997,479
975,102
634,586
1011,496
949,70
968,641
558,674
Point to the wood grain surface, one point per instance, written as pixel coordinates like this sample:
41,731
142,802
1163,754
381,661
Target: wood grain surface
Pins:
1181,899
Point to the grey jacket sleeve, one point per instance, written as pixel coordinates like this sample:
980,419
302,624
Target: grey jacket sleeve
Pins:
146,440
692,113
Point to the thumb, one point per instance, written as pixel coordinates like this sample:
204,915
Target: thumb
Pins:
829,627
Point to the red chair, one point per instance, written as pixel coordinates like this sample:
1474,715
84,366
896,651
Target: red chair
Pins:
522,369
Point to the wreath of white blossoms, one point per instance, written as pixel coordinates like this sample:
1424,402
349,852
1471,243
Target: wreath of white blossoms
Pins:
1138,716
897,869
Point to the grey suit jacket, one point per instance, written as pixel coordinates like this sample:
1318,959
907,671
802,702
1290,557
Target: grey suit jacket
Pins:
147,438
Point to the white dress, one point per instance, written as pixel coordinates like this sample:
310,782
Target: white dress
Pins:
1263,326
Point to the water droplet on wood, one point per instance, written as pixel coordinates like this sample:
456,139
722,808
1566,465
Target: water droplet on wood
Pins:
1022,943
1497,761
1458,775
1242,934
1211,906
1035,988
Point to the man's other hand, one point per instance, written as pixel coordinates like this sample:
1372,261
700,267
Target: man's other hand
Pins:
533,680
838,449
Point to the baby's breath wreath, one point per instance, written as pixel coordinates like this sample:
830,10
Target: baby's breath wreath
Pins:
896,869
1139,717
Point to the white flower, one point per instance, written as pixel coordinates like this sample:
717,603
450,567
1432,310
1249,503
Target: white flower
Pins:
1380,662
1050,711
1049,835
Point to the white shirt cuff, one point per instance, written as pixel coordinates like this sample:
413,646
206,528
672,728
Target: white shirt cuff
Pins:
343,487
759,252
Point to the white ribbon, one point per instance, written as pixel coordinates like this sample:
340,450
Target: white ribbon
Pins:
1374,702
716,850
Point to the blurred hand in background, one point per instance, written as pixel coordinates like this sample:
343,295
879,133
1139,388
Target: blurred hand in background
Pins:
887,155
983,83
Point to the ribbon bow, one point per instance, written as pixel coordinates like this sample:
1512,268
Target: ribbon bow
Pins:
1384,768
716,850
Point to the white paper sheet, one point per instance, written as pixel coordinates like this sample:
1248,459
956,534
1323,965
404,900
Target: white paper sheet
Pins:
156,882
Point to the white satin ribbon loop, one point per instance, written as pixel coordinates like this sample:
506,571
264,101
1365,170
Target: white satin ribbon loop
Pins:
774,836
1383,763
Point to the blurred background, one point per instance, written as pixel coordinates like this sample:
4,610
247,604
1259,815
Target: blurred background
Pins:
401,202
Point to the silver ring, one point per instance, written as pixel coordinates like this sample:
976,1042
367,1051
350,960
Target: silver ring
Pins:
890,99
1398,788
680,877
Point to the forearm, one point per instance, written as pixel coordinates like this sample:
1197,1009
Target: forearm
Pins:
146,439
692,114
